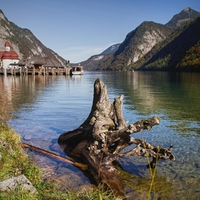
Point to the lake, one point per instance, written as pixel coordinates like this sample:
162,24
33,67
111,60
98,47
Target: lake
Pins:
44,107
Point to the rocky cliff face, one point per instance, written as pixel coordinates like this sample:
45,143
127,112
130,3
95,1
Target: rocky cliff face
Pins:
178,52
136,44
25,43
146,36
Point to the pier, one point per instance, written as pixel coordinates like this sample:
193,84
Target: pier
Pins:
35,71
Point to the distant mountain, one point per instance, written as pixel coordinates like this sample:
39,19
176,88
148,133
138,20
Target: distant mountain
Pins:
112,49
25,44
93,61
184,16
140,47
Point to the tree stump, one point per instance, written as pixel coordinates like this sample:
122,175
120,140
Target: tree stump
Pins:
98,142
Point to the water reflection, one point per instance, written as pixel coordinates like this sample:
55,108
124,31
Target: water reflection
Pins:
46,106
24,89
175,96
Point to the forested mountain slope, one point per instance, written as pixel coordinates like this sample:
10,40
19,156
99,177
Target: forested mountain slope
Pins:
180,51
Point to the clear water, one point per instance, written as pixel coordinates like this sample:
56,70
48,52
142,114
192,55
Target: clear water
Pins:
46,106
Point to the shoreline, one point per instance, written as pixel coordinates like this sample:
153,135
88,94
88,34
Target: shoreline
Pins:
17,167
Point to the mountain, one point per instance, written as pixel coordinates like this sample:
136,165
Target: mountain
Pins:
93,61
136,44
182,17
25,44
112,49
180,51
148,38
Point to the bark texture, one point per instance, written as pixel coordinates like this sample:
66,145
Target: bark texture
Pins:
98,142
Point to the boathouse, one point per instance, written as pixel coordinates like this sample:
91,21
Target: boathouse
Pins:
35,65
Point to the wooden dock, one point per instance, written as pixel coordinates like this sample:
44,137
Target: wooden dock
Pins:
35,71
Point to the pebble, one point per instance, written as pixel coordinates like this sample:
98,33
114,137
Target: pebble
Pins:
27,137
197,165
14,182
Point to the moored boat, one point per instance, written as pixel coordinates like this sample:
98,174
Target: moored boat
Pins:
76,70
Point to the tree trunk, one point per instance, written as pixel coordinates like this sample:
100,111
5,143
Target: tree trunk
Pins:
98,142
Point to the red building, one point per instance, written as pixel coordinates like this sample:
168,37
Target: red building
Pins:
8,58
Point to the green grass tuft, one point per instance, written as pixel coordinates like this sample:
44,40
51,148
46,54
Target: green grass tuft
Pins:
14,162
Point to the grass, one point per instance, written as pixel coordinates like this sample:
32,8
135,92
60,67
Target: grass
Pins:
14,162
152,190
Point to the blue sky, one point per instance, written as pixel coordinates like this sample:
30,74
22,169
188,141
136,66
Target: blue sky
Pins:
78,29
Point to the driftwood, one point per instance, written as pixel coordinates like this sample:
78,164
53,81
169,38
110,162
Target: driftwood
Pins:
53,155
98,142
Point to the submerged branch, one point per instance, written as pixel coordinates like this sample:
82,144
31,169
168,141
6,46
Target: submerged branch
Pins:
53,155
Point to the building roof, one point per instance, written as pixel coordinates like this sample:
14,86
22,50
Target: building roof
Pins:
8,55
37,60
7,44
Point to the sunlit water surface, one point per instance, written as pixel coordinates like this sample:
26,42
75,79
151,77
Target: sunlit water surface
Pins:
46,106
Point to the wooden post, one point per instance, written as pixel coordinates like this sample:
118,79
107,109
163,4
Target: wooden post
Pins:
14,71
5,71
33,71
20,71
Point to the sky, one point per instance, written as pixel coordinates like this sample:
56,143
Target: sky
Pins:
78,29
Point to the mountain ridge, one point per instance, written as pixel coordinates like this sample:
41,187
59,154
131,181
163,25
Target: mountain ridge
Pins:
185,15
25,44
126,57
170,56
138,50
136,44
92,62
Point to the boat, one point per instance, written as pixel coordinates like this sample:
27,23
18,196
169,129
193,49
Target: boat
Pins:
76,70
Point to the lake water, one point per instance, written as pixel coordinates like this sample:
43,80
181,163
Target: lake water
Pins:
46,106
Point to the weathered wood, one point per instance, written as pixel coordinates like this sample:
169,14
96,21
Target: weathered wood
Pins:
98,142
53,155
